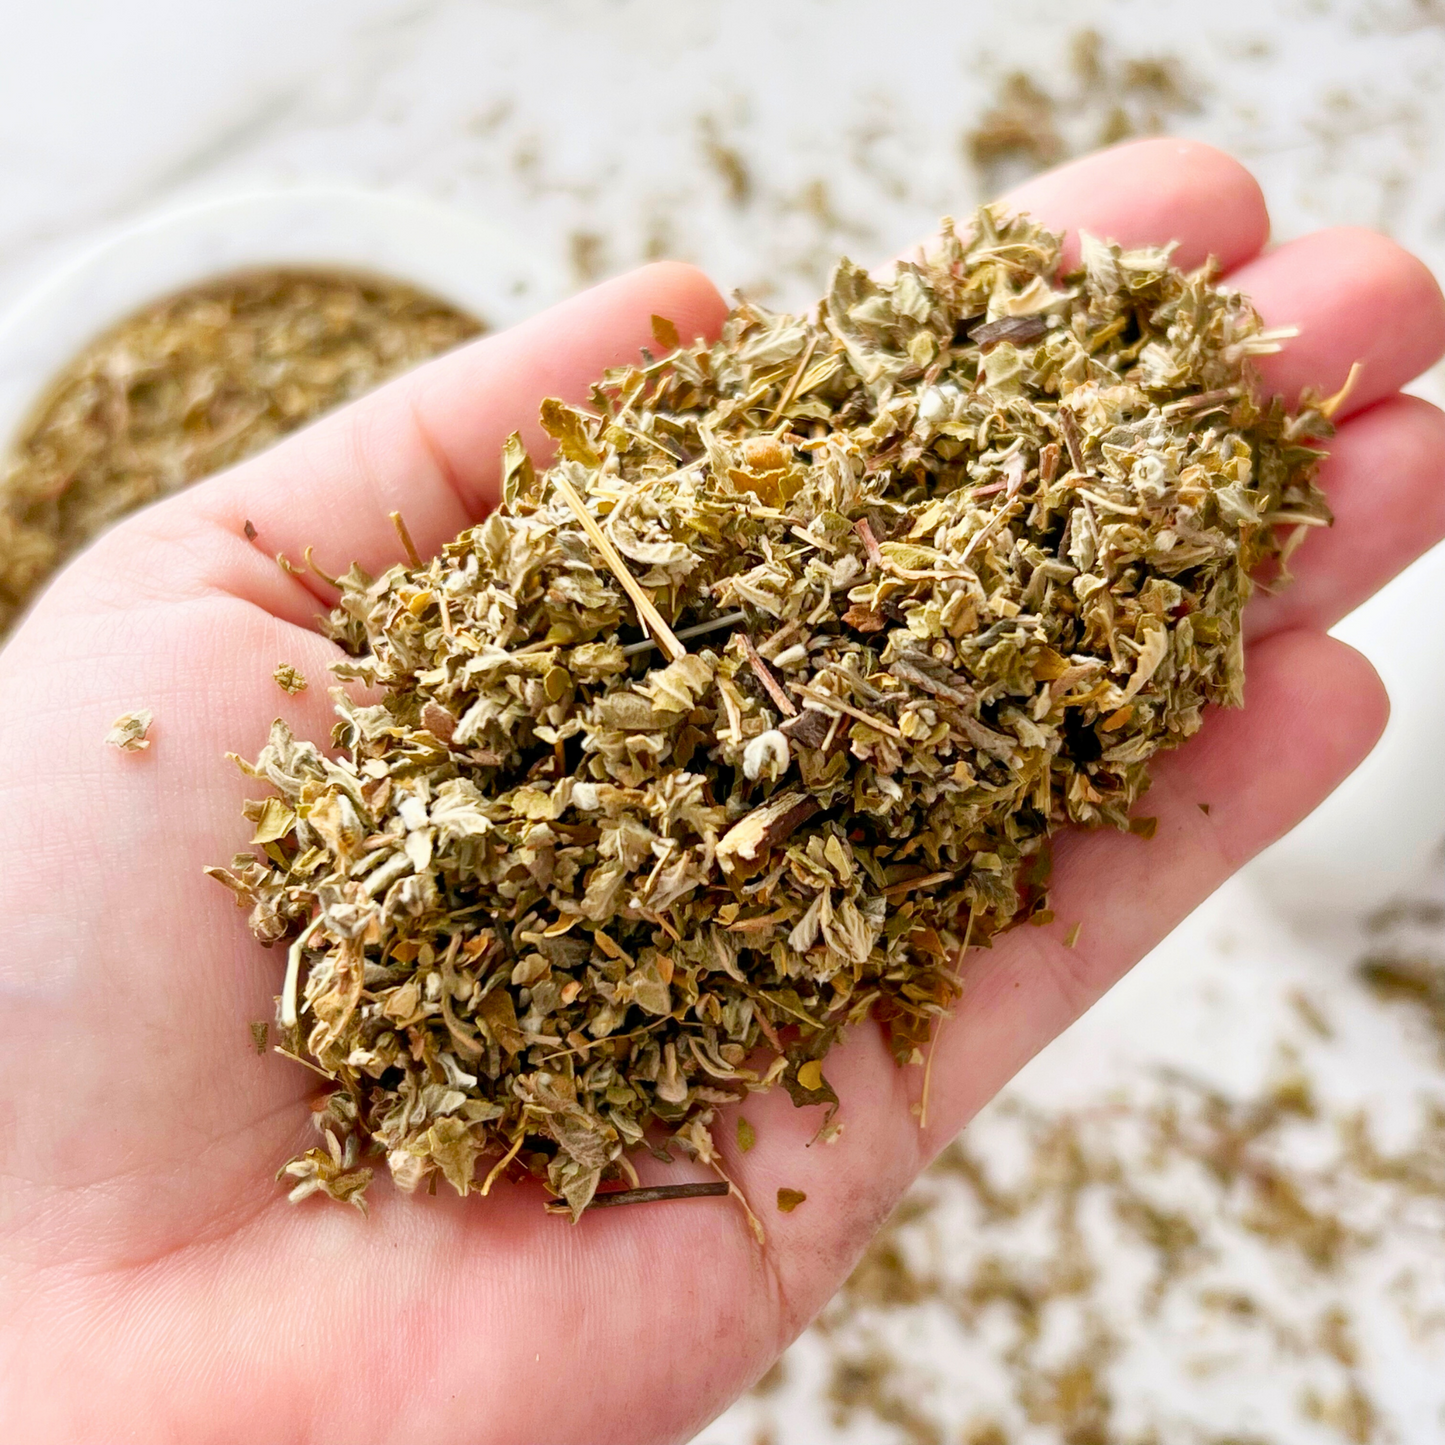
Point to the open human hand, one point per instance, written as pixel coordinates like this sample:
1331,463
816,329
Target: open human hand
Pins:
156,1285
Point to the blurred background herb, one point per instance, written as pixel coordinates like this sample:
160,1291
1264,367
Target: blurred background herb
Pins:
191,385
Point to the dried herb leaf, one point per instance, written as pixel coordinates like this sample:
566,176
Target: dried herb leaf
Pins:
128,731
288,679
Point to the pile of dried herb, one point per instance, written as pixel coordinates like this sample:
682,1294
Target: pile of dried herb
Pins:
931,574
191,385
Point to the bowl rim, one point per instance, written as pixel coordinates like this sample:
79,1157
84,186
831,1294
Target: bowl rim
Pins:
445,251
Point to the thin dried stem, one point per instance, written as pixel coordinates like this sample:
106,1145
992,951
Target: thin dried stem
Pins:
650,617
412,555
652,1194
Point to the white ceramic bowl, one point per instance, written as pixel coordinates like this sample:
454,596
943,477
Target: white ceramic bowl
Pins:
448,253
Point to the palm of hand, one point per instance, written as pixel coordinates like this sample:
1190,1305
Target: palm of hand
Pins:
157,1284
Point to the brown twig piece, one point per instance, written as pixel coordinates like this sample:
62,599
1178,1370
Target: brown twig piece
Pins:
786,399
870,542
1070,428
1331,404
412,555
764,675
652,1194
827,700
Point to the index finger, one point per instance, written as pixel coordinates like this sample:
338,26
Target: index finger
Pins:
1149,193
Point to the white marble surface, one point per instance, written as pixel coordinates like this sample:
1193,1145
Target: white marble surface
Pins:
583,129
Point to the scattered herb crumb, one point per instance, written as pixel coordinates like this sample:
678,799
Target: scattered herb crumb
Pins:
747,1135
1407,964
1031,125
260,1032
790,1199
773,1380
128,731
725,160
289,679
1019,128
589,255
1311,1014
1072,936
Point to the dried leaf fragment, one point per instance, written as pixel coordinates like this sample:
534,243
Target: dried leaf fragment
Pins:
128,731
289,679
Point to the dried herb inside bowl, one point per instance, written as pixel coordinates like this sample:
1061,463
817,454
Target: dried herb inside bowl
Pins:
191,385
728,730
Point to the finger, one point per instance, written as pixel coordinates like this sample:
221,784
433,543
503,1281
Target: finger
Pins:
1356,297
1385,481
429,444
1151,192
1315,708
